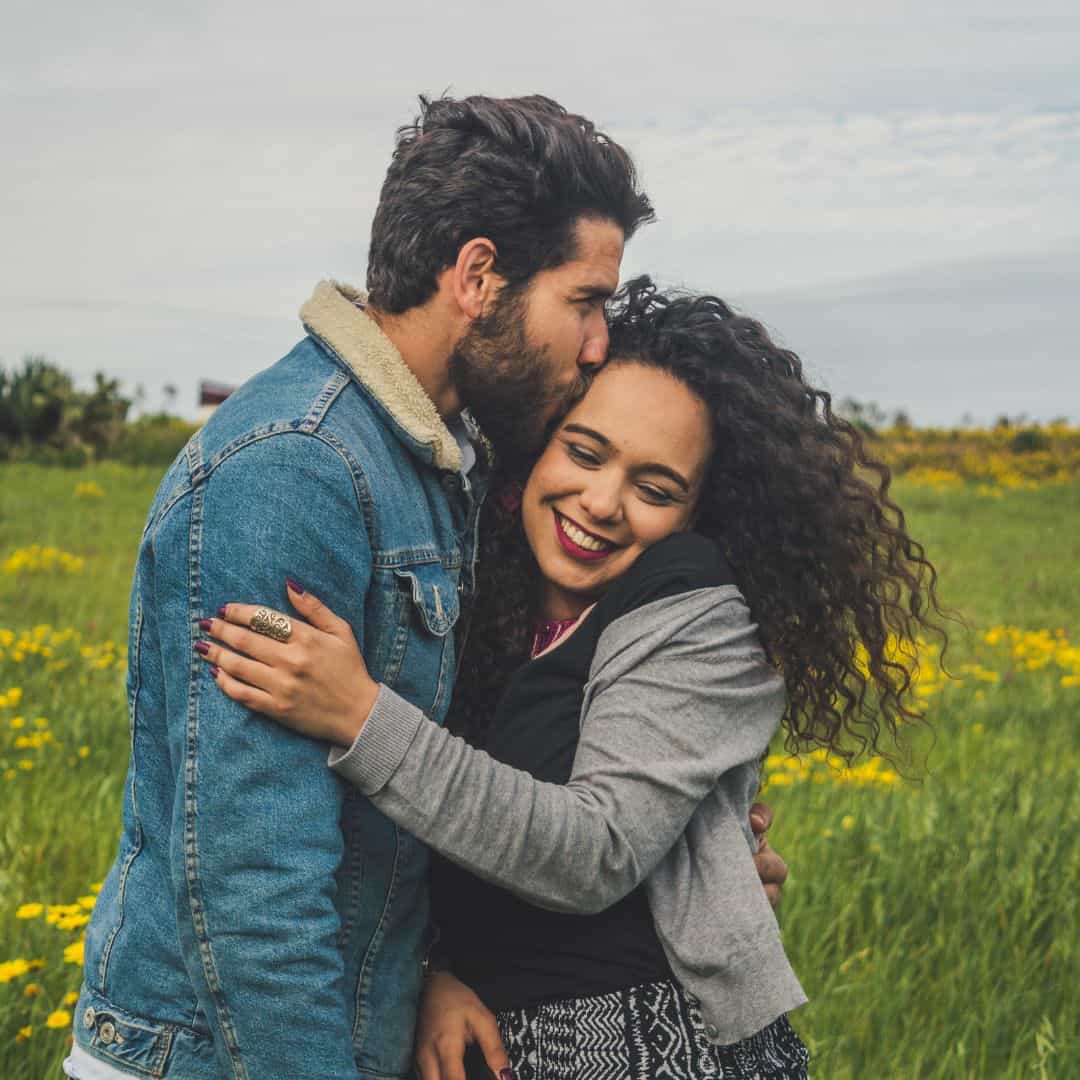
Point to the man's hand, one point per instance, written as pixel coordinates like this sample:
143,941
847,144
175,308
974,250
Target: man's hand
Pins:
770,867
451,1017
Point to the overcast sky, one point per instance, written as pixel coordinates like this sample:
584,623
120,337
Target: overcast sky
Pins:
895,194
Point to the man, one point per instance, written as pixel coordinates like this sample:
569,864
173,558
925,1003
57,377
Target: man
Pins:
260,919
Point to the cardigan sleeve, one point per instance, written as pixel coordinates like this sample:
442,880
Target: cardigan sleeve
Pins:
679,693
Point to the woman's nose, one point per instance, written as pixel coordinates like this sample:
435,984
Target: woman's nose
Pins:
601,501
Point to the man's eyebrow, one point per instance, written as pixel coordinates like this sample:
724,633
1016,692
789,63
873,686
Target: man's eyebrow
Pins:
652,467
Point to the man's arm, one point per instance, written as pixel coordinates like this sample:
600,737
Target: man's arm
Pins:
256,834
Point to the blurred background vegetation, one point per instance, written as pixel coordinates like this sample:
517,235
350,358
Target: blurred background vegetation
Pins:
46,420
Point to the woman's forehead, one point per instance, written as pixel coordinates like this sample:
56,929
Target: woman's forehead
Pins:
645,411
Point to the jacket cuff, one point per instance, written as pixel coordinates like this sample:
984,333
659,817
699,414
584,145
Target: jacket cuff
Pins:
381,744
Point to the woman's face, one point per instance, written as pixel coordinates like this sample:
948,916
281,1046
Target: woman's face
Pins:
623,470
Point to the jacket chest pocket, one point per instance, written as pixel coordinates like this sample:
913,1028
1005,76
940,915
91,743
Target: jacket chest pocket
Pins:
417,649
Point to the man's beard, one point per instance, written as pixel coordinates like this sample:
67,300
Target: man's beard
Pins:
506,382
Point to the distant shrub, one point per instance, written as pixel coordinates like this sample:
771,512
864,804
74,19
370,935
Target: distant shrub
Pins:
152,440
1028,441
44,418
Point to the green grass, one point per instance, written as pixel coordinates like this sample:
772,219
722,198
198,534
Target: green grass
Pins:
936,934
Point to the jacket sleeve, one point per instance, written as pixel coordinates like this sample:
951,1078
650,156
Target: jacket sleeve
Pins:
679,693
256,836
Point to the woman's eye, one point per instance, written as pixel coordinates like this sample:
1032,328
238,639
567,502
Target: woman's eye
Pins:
655,495
580,454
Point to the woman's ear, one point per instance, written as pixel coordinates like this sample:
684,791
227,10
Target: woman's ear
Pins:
474,281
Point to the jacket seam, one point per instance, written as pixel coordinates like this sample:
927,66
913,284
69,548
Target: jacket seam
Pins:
191,847
364,976
121,891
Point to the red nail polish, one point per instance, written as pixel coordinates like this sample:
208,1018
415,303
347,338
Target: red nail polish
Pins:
295,586
202,648
204,625
506,1074
221,612
214,670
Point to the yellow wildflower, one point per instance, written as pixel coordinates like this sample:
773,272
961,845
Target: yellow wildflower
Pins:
847,823
12,969
84,751
70,998
26,764
61,1018
24,1033
32,990
73,954
29,911
17,722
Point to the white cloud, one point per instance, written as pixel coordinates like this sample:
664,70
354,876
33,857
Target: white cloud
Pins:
206,162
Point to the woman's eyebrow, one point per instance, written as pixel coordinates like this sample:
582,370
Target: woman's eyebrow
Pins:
652,467
581,429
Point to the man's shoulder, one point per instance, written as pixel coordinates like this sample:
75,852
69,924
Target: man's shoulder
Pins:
306,400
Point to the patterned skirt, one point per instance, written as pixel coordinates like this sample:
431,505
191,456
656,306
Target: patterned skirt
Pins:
650,1032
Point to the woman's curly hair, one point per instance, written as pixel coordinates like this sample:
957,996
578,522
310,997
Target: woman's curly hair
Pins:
799,509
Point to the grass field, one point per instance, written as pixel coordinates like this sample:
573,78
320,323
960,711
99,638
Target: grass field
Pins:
934,924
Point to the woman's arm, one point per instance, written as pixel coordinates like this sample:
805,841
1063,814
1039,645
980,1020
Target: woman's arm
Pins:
679,694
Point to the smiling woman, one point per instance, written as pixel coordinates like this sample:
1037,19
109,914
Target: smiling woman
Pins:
622,471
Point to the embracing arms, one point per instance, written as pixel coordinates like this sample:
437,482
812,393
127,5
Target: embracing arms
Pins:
679,695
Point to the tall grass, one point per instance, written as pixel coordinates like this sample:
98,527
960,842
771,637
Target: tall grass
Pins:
934,924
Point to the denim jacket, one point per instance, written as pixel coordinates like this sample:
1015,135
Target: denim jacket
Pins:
262,919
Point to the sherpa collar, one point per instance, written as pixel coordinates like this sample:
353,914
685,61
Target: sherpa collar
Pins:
335,315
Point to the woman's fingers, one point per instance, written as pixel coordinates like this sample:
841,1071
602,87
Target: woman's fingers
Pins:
451,1053
427,1065
485,1032
315,611
253,672
234,622
251,697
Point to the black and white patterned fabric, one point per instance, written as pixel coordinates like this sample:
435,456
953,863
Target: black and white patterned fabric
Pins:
651,1032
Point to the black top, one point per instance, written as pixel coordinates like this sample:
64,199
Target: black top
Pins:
512,953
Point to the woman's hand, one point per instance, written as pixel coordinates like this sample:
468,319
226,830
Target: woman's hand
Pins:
452,1016
315,683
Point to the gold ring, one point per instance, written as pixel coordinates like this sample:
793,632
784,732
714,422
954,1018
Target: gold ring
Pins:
272,624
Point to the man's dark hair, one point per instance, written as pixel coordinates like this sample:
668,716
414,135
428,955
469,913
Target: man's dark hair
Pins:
519,171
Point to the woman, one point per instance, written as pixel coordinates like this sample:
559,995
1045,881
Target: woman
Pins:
604,902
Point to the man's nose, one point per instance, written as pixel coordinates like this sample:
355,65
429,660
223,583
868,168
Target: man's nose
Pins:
594,348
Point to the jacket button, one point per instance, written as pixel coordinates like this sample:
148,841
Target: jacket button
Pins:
107,1032
89,1017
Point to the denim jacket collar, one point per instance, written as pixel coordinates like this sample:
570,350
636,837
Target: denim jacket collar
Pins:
335,316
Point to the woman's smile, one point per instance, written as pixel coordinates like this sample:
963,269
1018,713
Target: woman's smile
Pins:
578,542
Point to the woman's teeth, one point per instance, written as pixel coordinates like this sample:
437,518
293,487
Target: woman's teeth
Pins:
581,538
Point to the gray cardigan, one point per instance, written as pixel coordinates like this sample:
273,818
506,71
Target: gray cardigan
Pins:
680,704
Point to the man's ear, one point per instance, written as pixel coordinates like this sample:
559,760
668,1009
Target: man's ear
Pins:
473,278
